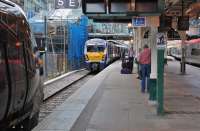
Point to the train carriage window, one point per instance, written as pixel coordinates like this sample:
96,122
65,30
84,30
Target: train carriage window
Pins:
3,81
195,52
18,70
28,43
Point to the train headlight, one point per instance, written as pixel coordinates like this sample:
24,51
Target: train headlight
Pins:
86,57
103,56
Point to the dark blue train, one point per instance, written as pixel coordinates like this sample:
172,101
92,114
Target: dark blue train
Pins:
21,91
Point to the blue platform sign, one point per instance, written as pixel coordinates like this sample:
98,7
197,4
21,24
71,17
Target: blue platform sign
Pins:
67,4
139,21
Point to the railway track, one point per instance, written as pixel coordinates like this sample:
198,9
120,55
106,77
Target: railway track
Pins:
58,98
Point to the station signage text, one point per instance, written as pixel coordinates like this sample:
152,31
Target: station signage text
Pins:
66,4
139,21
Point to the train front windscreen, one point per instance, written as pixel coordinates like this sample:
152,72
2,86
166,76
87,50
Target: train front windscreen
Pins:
95,48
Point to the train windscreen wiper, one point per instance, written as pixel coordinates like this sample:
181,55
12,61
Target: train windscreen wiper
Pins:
8,3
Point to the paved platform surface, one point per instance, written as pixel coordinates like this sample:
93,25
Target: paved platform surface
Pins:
112,101
182,92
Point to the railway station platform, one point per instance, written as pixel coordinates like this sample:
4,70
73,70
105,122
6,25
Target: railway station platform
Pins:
111,101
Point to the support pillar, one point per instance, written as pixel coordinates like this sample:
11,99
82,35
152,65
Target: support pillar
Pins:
160,82
45,44
153,75
183,61
139,38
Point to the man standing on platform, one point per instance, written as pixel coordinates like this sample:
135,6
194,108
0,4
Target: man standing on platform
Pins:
138,64
145,63
131,54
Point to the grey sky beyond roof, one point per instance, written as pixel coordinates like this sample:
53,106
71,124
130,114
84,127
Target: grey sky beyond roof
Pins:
58,14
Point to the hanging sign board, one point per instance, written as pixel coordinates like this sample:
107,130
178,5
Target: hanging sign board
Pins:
165,23
139,21
161,41
183,23
67,4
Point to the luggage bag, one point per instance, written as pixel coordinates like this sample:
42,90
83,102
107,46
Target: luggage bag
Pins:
125,66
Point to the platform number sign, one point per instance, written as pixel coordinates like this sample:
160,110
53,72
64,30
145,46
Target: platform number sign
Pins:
139,22
66,4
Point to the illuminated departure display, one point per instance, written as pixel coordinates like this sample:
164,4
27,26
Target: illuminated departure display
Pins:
165,23
183,23
119,6
94,6
122,6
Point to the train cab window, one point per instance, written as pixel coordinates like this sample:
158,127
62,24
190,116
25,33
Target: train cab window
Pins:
95,48
92,49
101,48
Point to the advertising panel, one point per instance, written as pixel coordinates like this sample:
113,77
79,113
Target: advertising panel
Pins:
161,41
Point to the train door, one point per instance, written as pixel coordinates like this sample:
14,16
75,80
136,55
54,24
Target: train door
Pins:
33,79
4,88
108,52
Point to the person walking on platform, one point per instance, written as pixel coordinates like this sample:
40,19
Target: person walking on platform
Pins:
145,63
131,54
138,64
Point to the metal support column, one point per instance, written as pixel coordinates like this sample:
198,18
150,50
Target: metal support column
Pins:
153,75
46,46
183,61
183,54
64,42
160,82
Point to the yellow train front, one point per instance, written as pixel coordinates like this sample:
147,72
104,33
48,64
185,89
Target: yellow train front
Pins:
99,53
95,52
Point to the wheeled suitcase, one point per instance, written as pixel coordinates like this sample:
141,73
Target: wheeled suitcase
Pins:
125,71
125,63
125,66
